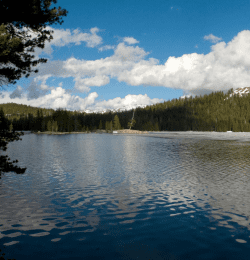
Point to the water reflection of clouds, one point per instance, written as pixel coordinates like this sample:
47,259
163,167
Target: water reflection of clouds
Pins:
42,206
143,170
127,178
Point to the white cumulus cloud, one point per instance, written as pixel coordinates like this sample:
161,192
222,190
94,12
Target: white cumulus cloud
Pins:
106,47
212,38
225,66
83,84
128,102
96,81
130,40
63,37
58,98
129,53
97,72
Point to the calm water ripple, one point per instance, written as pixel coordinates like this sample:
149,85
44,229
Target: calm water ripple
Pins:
101,196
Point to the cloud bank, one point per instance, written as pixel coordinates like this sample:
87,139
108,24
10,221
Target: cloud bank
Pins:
58,98
225,66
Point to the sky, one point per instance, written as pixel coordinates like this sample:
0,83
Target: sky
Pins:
111,54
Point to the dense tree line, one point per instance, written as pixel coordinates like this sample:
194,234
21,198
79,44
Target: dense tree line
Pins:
68,121
207,113
25,117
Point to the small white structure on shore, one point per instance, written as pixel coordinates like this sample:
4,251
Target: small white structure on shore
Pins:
229,131
115,132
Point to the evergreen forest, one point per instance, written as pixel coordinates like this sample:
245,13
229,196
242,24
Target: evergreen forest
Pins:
213,112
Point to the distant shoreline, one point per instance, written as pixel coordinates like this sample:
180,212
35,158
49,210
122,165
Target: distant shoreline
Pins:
123,131
58,133
206,135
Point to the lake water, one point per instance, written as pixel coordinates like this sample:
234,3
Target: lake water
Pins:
102,196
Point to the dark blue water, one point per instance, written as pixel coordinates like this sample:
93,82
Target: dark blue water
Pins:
101,196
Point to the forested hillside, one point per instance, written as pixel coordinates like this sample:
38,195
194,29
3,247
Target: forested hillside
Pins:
15,111
207,113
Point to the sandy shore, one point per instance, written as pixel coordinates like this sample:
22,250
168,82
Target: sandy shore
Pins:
127,131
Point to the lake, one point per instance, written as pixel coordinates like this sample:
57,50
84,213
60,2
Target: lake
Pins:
104,196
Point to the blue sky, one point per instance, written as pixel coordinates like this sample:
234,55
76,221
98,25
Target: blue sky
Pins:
114,54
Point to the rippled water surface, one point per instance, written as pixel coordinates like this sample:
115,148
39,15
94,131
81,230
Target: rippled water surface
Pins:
102,196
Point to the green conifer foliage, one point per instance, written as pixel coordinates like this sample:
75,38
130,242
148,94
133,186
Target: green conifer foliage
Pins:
49,126
16,46
54,126
148,126
116,125
7,136
100,125
11,127
131,123
156,127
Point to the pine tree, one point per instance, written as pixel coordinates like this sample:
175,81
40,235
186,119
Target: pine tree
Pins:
131,123
49,125
54,126
38,120
116,125
156,127
11,127
15,43
7,136
100,125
